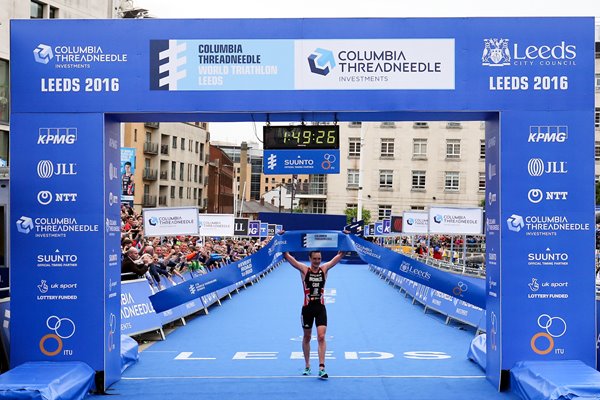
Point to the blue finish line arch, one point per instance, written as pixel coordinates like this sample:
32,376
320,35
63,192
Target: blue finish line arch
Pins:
530,79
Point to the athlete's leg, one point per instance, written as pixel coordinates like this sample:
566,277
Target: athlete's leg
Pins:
321,331
306,346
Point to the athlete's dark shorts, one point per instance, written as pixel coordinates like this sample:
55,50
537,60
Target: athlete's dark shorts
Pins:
314,312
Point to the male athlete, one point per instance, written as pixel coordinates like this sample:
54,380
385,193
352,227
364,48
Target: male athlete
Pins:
313,310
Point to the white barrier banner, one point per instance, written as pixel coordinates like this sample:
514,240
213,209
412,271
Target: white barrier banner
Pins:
216,224
170,221
415,222
456,221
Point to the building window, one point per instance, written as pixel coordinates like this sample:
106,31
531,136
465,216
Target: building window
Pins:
355,124
318,206
172,192
190,145
353,147
453,149
189,193
416,208
4,145
189,173
384,211
420,148
36,10
482,181
597,82
387,148
174,142
482,149
386,179
453,125
53,13
597,151
197,145
195,193
4,91
195,173
181,192
181,167
173,170
182,143
353,175
352,206
420,125
388,125
418,180
597,118
451,182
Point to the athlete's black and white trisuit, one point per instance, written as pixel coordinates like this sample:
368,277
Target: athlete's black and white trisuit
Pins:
314,302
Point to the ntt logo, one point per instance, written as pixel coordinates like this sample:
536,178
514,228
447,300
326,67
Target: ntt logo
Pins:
43,54
321,61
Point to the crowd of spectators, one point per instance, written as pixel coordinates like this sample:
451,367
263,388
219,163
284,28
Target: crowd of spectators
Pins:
174,258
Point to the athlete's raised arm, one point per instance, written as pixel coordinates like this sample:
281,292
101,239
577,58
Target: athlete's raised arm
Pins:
295,263
331,263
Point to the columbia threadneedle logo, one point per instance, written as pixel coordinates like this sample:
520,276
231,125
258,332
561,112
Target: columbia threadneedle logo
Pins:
43,54
272,162
170,59
321,61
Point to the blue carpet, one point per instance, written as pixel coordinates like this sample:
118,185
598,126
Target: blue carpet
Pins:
380,346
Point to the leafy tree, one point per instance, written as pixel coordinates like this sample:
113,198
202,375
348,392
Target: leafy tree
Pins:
351,214
597,192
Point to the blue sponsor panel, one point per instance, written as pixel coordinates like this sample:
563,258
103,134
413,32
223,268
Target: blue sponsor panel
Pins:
61,289
548,239
254,228
264,230
517,69
493,255
112,254
137,313
277,162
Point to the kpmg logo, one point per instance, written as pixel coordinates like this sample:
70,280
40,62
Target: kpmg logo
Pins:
515,223
321,61
548,134
167,56
43,54
57,136
46,169
24,225
497,52
272,161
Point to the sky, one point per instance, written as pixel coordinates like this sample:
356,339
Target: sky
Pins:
236,132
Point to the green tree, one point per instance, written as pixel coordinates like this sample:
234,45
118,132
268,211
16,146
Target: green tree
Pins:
351,214
597,192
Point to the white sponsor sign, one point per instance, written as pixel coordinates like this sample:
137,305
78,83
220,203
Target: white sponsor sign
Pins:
415,222
456,221
320,240
170,221
216,224
401,64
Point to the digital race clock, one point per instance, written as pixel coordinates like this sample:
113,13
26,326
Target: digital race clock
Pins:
301,137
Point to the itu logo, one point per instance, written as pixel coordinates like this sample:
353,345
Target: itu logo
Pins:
329,159
166,59
321,61
43,54
515,223
495,53
272,161
63,328
554,327
25,225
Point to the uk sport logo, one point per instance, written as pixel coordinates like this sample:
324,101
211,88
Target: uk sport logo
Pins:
167,58
321,61
43,54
